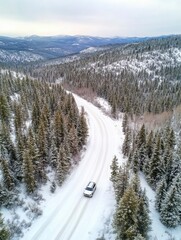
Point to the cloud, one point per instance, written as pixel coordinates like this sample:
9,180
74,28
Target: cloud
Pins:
102,17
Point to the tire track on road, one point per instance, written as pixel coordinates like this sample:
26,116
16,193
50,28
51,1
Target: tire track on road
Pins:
103,154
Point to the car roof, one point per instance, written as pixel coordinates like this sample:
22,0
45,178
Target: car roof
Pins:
91,184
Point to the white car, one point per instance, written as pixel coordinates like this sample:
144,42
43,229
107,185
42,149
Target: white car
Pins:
90,189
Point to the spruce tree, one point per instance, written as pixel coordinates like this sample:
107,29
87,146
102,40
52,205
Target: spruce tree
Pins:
149,144
7,144
41,140
142,156
8,179
4,109
161,191
63,165
127,143
59,127
66,149
141,137
114,170
53,153
18,117
135,161
144,222
4,232
170,138
60,174
82,129
155,170
35,116
125,123
170,208
121,182
35,156
125,219
146,167
28,172
73,140
20,145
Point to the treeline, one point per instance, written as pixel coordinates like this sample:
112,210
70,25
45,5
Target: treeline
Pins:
40,129
136,78
158,155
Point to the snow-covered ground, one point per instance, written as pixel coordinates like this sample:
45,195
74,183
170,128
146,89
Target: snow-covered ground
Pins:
67,214
147,61
19,56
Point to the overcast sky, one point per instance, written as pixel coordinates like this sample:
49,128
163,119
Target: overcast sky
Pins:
90,17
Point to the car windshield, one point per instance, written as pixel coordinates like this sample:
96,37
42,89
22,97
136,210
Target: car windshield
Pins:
89,188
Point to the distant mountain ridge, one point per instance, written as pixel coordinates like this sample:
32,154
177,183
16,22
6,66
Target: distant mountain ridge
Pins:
36,48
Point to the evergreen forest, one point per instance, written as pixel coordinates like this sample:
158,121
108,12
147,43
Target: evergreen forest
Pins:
41,131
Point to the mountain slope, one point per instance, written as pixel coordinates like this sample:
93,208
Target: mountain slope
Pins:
138,77
36,48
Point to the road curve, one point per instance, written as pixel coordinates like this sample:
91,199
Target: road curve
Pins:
73,216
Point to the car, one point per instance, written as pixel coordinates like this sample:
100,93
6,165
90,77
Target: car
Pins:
90,189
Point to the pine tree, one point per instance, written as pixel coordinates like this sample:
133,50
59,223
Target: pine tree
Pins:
60,128
18,117
53,153
60,171
166,164
130,158
135,183
122,181
114,170
114,106
149,145
4,109
155,170
170,209
143,218
125,219
170,138
7,145
35,116
72,111
135,162
73,141
142,156
4,232
28,172
63,165
161,191
7,176
41,140
146,167
141,137
127,143
67,152
82,129
39,173
19,162
125,123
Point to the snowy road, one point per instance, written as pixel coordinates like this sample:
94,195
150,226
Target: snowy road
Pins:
68,214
